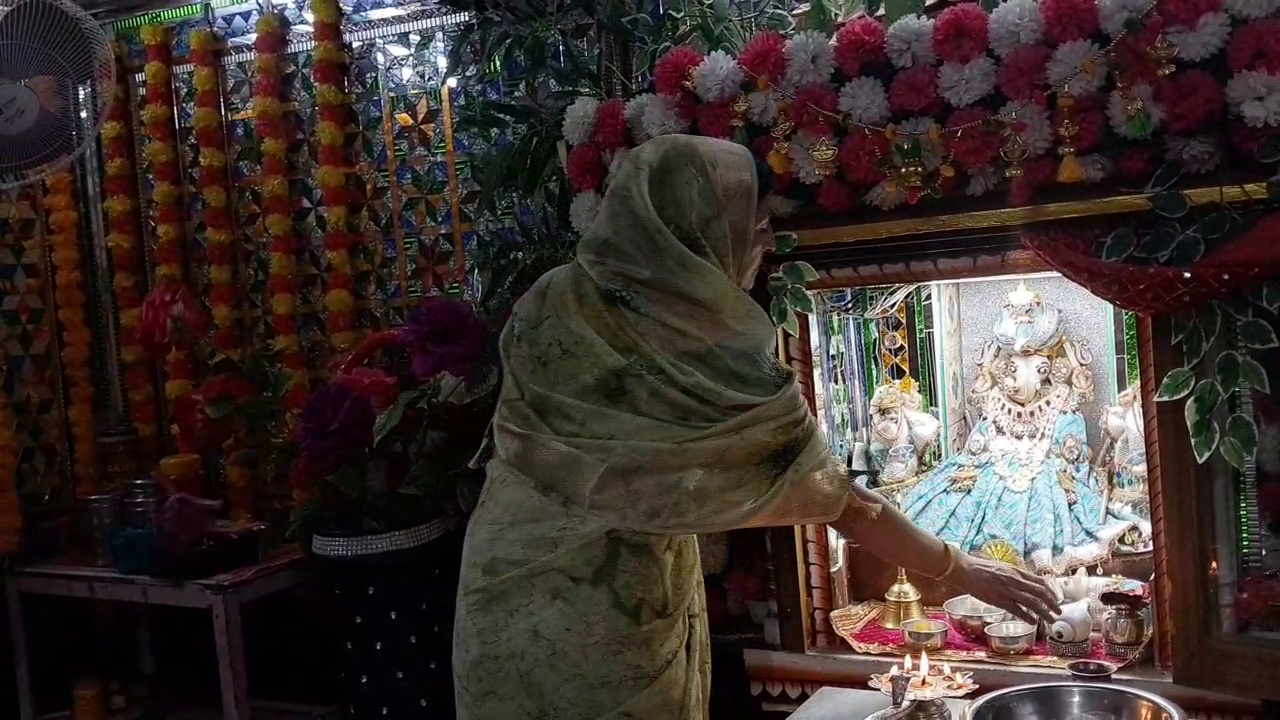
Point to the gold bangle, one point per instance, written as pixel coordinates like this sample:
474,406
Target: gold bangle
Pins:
951,561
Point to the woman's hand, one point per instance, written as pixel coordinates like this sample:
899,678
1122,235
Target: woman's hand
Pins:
1006,587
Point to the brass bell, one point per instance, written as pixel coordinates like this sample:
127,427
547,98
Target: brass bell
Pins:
901,603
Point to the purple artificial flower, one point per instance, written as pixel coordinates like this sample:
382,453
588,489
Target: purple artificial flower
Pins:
335,424
445,336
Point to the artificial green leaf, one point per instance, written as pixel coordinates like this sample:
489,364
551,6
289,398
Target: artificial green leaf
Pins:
1209,318
1206,398
785,242
388,419
1269,150
791,324
1170,204
1179,325
219,410
1271,297
1227,369
1233,453
1188,249
1119,245
1204,439
1238,306
1214,225
779,311
1160,241
1193,344
799,299
1273,186
778,283
799,273
1176,385
1257,334
1165,177
1256,375
1242,432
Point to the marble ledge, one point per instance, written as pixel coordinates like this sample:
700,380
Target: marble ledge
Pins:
844,668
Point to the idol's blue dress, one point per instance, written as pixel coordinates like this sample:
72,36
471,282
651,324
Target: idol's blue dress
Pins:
1033,499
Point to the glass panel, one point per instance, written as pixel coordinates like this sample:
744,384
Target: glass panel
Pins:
1004,416
1247,522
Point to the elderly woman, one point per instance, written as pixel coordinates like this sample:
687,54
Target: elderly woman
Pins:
642,404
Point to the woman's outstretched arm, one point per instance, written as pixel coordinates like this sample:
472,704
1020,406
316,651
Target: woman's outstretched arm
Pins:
890,536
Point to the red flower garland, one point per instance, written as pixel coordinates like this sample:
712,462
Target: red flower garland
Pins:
915,91
817,109
671,72
960,33
1186,13
1254,47
765,57
1192,100
1021,73
611,131
859,42
1066,20
585,168
976,146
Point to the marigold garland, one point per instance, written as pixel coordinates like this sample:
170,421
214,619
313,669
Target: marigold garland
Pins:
120,185
275,133
72,304
166,199
214,186
10,504
329,71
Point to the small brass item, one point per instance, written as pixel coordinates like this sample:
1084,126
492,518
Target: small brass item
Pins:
901,603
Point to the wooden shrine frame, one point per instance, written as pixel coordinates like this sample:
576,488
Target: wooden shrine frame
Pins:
811,656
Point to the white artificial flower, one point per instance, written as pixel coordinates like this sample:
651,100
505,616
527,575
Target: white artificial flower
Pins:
1068,63
583,210
718,78
1252,9
1203,41
909,41
781,207
864,100
802,164
918,127
1114,15
982,180
1255,97
1014,23
660,118
615,162
1096,168
810,59
580,120
963,84
1118,111
1197,155
634,114
764,107
1037,130
884,196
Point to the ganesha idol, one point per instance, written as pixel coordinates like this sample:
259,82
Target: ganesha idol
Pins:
1023,489
902,433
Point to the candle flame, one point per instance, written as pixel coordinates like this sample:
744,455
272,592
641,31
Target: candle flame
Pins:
924,665
946,669
894,670
906,664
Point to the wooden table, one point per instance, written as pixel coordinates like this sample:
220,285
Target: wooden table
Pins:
221,595
832,703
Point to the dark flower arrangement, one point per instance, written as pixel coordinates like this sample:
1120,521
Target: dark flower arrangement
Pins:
388,447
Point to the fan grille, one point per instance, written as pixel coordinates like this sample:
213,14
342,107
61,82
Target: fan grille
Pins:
57,74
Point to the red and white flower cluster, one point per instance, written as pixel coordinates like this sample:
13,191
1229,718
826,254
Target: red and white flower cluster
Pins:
1111,86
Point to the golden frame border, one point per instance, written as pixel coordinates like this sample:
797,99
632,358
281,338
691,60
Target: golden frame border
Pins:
1012,217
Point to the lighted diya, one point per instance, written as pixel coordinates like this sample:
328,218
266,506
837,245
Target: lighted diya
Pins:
928,681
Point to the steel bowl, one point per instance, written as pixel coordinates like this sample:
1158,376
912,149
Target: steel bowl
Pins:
1071,700
970,616
924,634
1094,671
1011,637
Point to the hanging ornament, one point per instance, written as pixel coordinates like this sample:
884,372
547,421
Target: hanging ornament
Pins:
688,83
1069,170
781,133
1163,52
1137,121
907,171
738,111
1014,151
824,155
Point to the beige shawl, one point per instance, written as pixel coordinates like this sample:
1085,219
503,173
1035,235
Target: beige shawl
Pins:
642,403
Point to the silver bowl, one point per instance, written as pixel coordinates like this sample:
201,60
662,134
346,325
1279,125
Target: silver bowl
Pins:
1071,700
1011,637
1094,671
924,634
970,616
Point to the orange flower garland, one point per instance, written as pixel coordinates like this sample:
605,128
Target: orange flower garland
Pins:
166,200
329,71
275,133
10,505
220,239
120,185
72,304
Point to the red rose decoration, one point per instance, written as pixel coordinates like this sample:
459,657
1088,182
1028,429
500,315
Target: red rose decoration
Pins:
380,388
859,42
960,33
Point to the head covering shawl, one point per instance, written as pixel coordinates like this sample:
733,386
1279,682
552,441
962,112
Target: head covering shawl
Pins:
641,383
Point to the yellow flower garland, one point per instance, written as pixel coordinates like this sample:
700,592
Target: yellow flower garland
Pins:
10,505
120,186
275,133
215,188
166,201
72,306
329,69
